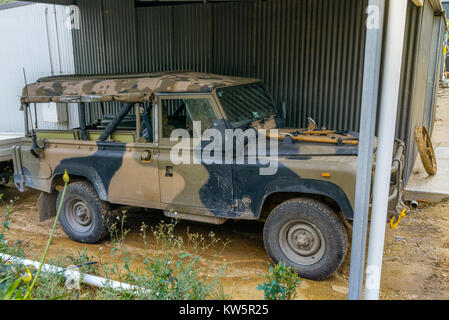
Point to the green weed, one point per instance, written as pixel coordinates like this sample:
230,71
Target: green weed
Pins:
172,273
280,283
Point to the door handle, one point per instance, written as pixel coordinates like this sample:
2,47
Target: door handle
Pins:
169,171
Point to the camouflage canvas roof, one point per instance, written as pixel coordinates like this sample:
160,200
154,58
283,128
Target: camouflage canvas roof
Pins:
126,88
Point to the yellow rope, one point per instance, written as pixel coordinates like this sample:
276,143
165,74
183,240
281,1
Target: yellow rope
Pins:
393,224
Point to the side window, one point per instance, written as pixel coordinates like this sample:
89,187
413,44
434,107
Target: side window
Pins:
180,114
173,116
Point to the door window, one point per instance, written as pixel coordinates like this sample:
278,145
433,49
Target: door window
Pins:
180,114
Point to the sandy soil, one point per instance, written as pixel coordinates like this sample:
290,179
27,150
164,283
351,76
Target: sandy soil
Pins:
416,264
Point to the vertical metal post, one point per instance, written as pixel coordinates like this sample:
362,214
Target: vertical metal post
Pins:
394,45
138,120
35,116
82,118
126,107
26,122
371,73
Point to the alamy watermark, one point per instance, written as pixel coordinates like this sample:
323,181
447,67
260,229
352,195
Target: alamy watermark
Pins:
373,17
236,146
73,16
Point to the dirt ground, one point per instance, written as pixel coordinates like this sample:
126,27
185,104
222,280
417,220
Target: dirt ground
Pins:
416,260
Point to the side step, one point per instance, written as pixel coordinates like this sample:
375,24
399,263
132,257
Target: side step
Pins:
19,177
194,217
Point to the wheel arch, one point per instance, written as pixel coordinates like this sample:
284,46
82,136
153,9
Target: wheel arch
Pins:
325,191
87,174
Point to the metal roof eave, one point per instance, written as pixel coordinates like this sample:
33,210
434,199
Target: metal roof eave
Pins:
61,2
73,2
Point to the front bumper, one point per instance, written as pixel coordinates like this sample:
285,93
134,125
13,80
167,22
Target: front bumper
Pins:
19,176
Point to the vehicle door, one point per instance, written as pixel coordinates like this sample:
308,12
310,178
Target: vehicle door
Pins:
137,182
194,182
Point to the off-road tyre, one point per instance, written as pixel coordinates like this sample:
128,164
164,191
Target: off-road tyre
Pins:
81,197
306,219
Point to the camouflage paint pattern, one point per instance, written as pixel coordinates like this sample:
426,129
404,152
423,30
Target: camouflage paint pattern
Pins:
130,89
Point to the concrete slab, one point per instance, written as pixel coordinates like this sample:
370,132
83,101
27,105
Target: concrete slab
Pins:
421,186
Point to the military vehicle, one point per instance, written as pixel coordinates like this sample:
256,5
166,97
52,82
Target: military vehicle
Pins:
124,159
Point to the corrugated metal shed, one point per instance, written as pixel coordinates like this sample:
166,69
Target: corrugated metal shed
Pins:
420,75
310,53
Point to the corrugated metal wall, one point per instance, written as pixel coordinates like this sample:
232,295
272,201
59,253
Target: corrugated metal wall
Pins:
25,45
420,74
309,52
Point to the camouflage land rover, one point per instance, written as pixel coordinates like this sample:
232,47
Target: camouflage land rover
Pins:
199,147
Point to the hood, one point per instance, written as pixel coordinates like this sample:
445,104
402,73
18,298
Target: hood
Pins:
302,148
311,142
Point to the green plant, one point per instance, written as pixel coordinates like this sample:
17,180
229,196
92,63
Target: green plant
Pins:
280,283
12,288
66,181
15,278
84,261
12,277
172,273
5,224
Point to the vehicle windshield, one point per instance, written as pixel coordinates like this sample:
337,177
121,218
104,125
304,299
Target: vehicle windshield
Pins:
246,103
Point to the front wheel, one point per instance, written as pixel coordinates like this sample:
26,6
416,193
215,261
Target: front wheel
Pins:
83,215
307,236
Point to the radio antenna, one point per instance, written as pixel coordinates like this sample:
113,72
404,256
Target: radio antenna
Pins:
26,84
28,103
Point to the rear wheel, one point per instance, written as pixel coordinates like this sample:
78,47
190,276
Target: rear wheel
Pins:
307,236
83,215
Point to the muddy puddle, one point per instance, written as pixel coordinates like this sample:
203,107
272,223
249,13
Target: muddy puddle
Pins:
416,262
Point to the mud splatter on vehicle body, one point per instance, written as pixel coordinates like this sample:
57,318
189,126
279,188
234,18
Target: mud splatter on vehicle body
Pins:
114,163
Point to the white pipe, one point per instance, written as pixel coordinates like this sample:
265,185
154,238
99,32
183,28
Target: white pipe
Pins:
390,92
94,281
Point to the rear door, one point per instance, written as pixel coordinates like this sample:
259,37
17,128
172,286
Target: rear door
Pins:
137,182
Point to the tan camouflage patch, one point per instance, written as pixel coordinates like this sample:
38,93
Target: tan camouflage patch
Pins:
134,88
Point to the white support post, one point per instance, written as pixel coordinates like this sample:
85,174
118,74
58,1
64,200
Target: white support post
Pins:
371,75
394,44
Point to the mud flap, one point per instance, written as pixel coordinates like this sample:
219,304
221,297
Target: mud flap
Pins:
19,177
46,204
